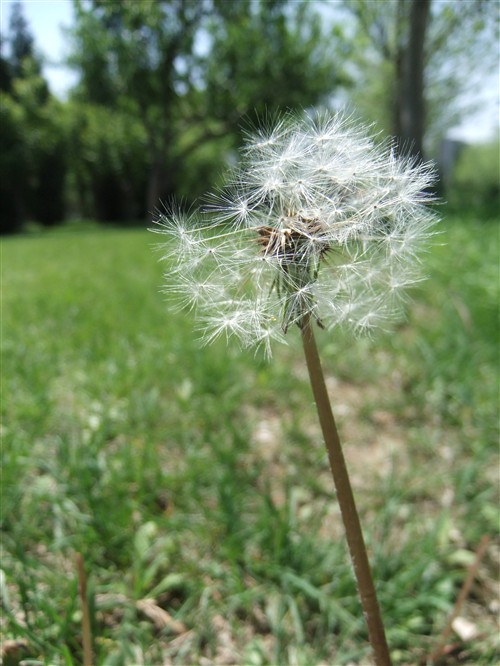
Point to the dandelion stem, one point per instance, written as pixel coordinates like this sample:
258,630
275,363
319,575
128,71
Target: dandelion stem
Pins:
345,497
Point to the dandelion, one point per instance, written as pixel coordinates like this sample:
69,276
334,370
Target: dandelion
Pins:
319,224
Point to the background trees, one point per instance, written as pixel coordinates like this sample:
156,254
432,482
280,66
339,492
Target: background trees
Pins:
33,156
188,72
108,162
21,42
413,60
137,59
165,87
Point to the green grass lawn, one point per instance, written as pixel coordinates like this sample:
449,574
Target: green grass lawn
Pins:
195,483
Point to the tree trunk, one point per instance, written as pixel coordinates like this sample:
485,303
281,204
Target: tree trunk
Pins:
161,186
410,124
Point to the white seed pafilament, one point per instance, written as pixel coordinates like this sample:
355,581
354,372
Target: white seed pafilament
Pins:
318,220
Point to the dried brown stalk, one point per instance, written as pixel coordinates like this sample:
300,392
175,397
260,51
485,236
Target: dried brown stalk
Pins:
86,630
346,501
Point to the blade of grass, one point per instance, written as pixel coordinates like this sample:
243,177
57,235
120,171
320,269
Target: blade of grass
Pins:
437,653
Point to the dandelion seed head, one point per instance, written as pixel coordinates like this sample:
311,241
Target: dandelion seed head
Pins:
318,220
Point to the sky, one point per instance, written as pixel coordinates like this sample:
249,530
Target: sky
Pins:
49,18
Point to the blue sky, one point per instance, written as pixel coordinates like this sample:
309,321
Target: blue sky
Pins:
48,19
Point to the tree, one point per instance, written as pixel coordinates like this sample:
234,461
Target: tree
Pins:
190,70
20,44
13,166
5,69
132,58
415,59
476,179
21,40
265,57
32,164
409,111
107,162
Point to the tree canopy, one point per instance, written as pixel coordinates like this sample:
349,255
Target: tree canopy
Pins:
166,86
415,62
191,71
32,161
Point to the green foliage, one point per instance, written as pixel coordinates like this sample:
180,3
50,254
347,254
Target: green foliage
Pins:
108,162
461,40
21,41
191,73
32,165
5,73
194,481
33,162
166,86
267,57
164,89
13,165
476,179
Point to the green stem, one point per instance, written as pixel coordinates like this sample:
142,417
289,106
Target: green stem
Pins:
345,497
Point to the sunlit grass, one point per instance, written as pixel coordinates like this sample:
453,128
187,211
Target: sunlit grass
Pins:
196,478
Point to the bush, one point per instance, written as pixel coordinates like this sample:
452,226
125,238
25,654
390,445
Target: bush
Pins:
476,178
108,163
13,167
33,158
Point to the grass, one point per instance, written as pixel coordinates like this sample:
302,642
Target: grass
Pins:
195,483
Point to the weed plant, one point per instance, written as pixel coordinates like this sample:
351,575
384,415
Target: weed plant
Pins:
187,479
